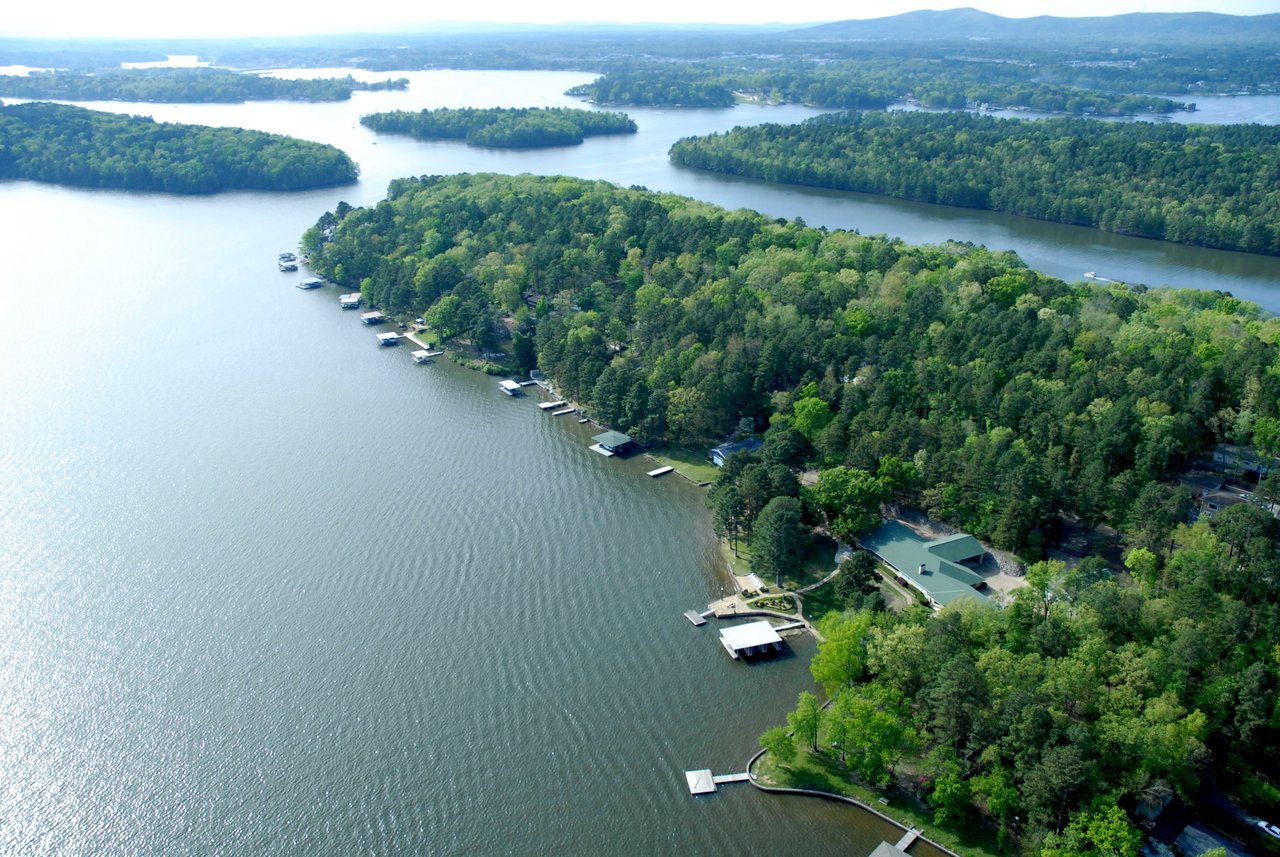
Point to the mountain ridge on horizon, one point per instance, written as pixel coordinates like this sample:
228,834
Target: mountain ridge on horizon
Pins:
970,23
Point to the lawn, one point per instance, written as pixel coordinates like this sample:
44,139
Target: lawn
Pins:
822,601
693,464
819,561
825,773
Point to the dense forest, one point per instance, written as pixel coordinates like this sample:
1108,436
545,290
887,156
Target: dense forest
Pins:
1014,396
69,145
182,85
502,127
865,83
657,86
1212,186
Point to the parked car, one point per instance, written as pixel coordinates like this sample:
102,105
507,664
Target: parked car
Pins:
1269,829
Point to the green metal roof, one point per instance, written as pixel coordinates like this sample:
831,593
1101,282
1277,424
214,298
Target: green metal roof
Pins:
957,548
942,580
612,439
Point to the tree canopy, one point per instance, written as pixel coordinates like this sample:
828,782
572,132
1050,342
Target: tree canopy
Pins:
69,145
1210,185
1013,396
502,127
183,85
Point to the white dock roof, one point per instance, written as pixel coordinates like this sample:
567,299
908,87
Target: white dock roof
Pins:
508,384
741,637
388,337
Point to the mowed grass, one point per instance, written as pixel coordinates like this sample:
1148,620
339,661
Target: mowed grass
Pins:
693,464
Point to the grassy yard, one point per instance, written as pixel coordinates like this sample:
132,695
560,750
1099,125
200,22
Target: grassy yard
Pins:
819,561
691,463
825,773
822,601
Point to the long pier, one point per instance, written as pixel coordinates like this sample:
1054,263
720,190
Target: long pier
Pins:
704,782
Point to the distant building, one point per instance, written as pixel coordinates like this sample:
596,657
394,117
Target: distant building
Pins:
722,452
934,568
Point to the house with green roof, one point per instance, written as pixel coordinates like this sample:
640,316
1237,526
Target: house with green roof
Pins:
932,567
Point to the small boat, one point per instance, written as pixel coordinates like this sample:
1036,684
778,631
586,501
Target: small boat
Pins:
286,257
1090,275
287,266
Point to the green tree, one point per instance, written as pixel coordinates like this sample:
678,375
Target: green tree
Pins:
1102,830
806,720
841,658
778,539
777,741
850,499
856,578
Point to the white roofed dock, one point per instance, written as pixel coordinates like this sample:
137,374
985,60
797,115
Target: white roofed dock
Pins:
750,639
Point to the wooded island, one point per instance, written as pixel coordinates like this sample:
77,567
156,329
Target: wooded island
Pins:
61,144
502,127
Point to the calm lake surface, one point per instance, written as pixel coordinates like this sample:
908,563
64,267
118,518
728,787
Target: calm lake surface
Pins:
267,588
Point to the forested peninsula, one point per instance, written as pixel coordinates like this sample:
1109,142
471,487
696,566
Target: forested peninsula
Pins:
183,85
61,144
951,377
864,83
1019,395
502,127
1208,185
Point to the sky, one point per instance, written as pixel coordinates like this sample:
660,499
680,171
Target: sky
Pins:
175,18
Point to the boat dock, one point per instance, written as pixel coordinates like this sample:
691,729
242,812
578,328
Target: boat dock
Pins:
695,617
527,383
660,471
704,782
390,338
907,838
511,388
423,356
562,412
351,301
310,283
372,317
546,406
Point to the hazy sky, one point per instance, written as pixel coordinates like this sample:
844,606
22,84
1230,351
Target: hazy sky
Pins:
158,18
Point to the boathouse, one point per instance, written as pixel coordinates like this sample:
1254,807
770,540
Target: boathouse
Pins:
511,388
753,638
421,356
351,301
372,317
390,338
720,453
935,568
611,443
310,283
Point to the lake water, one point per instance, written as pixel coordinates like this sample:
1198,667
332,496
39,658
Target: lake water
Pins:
268,588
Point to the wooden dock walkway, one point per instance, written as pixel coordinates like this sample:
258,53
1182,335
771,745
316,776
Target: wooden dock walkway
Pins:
704,782
907,838
418,342
660,471
695,617
563,411
546,406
